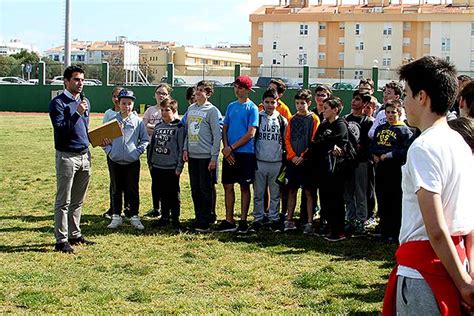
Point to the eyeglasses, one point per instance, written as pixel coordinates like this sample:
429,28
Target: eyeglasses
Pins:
164,94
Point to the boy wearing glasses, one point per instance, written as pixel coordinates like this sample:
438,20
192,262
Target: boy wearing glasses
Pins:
201,151
389,149
240,124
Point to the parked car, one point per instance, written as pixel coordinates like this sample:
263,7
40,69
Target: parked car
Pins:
314,85
178,81
263,82
15,80
33,81
95,81
216,83
343,86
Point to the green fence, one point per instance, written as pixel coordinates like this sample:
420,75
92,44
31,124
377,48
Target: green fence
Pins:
35,98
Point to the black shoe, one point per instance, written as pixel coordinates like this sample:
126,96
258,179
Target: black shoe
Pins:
243,227
80,240
335,237
255,227
202,228
64,247
226,227
176,224
161,222
153,213
108,214
276,227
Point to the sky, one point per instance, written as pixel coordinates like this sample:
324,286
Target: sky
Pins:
187,22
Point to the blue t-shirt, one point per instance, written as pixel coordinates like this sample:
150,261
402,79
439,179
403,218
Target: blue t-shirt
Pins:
238,118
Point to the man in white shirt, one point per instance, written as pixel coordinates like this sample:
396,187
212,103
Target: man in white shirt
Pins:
437,213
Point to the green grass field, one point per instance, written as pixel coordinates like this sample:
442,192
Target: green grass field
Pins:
159,270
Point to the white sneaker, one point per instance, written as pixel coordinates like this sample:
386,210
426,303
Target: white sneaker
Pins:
116,221
135,222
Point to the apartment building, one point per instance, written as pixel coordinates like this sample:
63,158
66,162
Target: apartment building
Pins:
354,36
15,46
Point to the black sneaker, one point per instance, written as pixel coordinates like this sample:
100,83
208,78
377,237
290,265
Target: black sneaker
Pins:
255,227
202,228
80,240
226,227
64,247
153,213
243,227
335,237
276,227
162,222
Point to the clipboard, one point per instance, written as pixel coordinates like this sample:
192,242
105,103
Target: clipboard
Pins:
110,130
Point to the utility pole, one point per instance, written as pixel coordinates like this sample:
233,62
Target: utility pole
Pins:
67,40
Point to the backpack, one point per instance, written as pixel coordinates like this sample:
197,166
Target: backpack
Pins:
351,154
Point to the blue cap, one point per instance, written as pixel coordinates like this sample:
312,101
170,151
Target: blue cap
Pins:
126,94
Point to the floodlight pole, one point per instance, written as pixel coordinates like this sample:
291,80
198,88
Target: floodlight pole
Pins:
67,40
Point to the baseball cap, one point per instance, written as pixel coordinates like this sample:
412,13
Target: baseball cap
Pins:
244,82
126,94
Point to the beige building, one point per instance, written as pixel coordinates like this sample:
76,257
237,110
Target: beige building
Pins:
353,37
191,61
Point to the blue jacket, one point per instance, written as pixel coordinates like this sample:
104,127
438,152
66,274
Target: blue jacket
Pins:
70,128
128,148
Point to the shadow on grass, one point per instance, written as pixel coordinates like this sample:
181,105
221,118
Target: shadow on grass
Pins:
362,248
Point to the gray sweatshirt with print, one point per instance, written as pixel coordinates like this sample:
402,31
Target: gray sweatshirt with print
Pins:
203,131
268,141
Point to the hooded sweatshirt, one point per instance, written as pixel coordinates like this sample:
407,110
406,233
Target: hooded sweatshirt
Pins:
203,131
166,146
128,148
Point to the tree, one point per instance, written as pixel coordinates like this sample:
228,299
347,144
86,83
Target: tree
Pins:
26,57
9,66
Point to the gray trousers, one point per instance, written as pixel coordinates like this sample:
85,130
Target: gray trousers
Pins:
266,175
72,176
355,193
414,297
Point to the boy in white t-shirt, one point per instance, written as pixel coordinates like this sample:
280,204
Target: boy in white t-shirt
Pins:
432,275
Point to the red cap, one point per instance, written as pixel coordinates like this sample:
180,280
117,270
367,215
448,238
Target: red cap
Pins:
245,82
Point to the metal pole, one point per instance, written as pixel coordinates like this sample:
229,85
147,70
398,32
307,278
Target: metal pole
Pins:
67,41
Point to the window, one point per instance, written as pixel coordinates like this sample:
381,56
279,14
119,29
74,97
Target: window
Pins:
80,58
387,29
322,56
387,47
302,59
360,46
426,41
406,41
448,58
322,26
259,56
406,26
445,44
340,56
472,64
387,62
342,26
301,48
341,40
274,61
357,29
303,29
274,45
260,41
215,62
358,74
322,41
